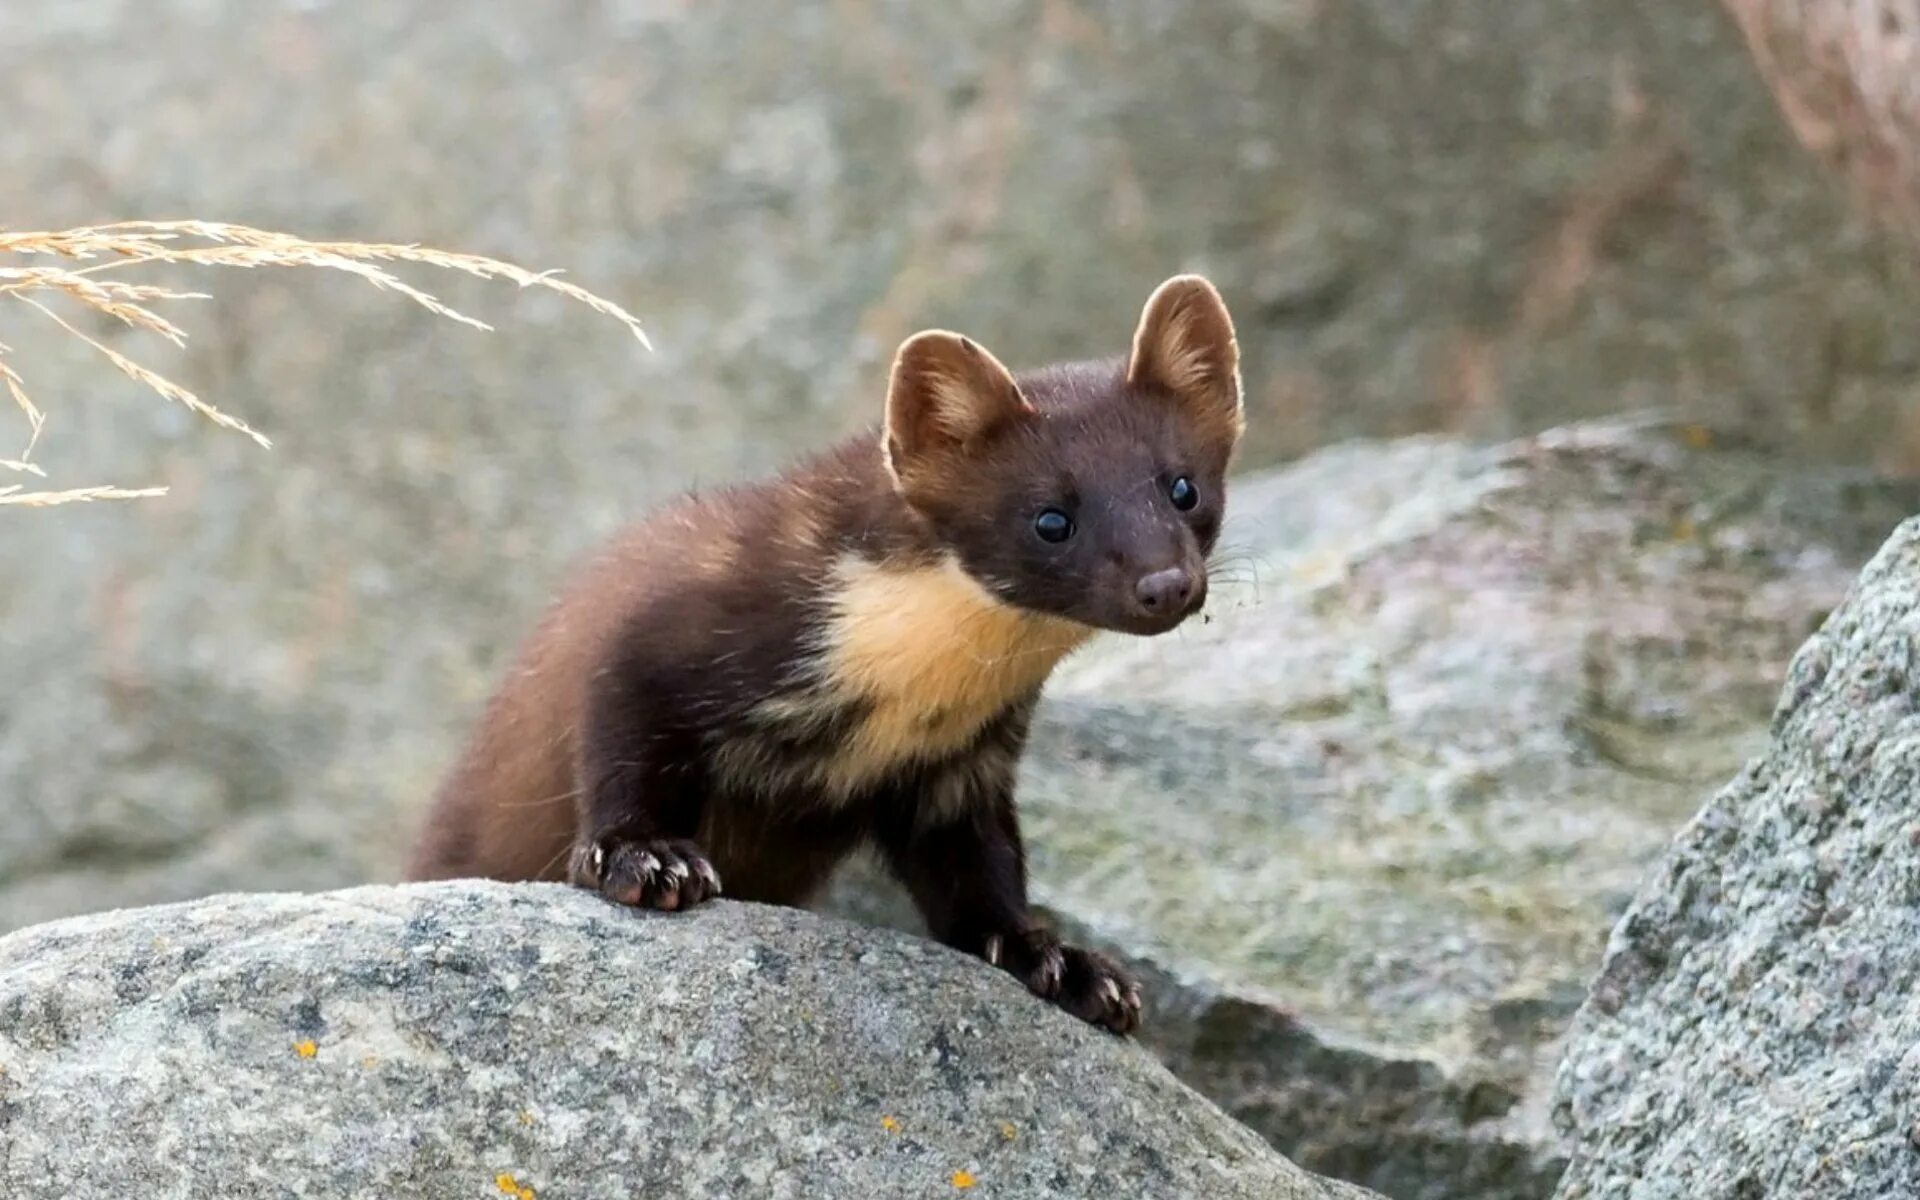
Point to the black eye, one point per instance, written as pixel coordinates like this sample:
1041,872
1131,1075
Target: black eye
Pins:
1053,525
1183,494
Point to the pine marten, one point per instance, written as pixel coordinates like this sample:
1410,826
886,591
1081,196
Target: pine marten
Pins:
753,682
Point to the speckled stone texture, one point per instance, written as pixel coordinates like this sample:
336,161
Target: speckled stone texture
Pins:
1368,825
1428,215
1755,1031
475,1040
1365,830
1380,853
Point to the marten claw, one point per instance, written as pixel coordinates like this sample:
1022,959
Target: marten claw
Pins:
1045,980
666,875
1091,986
707,874
1097,990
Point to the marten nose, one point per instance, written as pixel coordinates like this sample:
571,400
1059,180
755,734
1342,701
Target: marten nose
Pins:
1164,593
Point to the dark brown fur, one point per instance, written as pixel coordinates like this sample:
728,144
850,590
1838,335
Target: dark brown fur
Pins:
753,682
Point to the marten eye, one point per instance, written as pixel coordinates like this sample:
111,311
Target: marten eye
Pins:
1053,525
1183,494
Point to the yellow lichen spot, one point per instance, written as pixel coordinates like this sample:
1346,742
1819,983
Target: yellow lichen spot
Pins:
526,1116
1007,1130
1697,436
305,1049
963,1179
510,1186
889,1124
1684,530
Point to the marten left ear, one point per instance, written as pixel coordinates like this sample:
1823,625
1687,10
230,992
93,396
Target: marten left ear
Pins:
1185,345
946,394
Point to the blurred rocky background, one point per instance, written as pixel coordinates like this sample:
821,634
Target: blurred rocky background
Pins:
1372,826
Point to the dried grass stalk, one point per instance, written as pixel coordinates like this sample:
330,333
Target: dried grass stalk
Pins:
94,256
1846,73
14,495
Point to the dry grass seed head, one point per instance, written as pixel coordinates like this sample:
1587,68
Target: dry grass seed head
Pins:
99,252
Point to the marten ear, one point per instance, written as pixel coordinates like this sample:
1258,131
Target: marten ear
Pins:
1185,345
946,394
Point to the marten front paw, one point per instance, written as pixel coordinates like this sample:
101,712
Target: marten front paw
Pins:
661,874
1087,984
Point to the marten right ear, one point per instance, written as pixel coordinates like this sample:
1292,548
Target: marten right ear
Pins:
947,394
1185,346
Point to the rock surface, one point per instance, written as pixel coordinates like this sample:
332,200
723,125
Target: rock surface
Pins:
1367,827
1427,215
472,1040
1362,831
1755,1030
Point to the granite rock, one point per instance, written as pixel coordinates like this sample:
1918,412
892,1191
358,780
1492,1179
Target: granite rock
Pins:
1428,216
463,1040
1365,828
1754,1032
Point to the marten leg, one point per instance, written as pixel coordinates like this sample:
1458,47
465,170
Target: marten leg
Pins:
967,874
639,804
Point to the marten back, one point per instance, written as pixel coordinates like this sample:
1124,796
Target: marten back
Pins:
753,681
722,588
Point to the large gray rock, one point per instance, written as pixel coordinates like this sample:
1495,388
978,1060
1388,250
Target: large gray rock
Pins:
468,1040
1754,1033
1427,215
1366,828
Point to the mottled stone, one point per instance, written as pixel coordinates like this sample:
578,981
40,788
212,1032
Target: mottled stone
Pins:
1366,827
1490,217
465,1040
1754,1031
1483,218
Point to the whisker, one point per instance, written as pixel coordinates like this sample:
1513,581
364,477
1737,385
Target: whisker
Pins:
549,864
569,794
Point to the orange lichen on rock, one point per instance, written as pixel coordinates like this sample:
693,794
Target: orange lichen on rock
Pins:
510,1186
305,1049
963,1179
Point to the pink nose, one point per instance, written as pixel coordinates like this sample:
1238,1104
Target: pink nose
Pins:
1164,592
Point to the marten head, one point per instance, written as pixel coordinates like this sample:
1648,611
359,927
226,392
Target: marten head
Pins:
1089,491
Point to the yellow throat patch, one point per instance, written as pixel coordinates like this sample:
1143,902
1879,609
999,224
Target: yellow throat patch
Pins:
933,656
